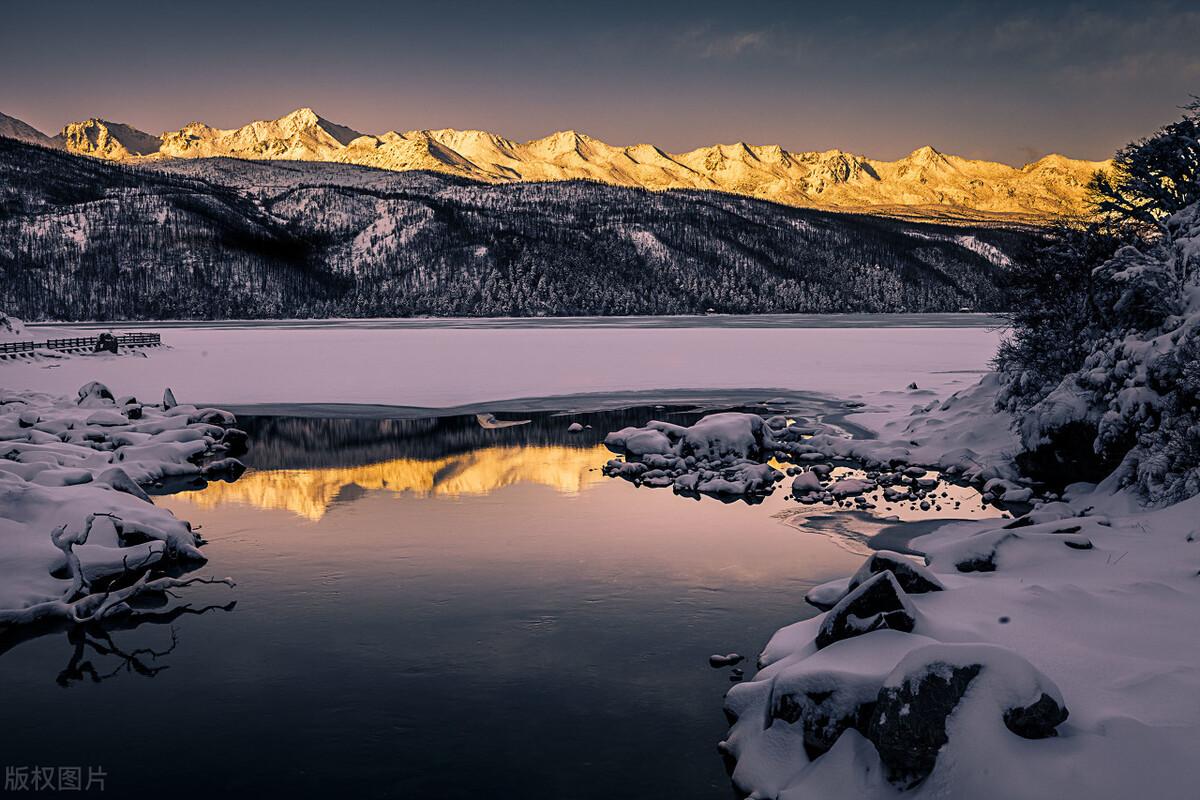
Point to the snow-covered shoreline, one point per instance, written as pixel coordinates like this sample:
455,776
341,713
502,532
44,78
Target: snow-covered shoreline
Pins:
1081,610
80,539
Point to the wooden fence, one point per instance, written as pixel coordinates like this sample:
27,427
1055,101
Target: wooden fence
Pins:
75,344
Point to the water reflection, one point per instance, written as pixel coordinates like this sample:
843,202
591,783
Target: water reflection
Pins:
96,655
314,442
480,600
308,465
310,493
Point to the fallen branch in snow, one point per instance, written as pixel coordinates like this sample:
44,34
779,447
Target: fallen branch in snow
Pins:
76,468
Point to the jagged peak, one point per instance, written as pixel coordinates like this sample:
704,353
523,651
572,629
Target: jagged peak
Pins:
925,153
305,119
1059,160
302,116
90,122
469,136
560,143
106,138
568,136
824,156
833,177
738,148
644,147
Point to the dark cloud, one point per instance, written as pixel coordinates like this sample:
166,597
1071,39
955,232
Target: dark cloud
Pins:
981,79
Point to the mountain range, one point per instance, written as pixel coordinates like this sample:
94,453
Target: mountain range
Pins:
925,183
219,238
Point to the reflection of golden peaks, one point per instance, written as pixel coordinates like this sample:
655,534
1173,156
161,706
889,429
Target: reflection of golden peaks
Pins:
310,492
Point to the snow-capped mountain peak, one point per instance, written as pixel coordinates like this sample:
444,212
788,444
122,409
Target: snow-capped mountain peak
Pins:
925,179
103,138
13,128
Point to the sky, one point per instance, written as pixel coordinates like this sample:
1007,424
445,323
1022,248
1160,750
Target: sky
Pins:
1007,81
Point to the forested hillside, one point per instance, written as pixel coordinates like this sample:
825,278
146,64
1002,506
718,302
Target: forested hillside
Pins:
87,239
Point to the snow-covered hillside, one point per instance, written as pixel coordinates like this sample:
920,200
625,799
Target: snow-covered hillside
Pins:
223,238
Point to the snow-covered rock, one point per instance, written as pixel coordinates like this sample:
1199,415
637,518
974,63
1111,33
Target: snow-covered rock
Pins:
912,577
72,508
721,454
968,702
979,685
876,604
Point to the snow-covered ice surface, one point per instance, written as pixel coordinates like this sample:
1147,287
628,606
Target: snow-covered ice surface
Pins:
431,364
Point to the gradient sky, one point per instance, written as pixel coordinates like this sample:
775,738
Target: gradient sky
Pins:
1006,81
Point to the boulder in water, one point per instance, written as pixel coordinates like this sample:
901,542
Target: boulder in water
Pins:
224,469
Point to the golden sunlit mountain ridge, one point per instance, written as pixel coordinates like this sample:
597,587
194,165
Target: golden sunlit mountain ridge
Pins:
925,181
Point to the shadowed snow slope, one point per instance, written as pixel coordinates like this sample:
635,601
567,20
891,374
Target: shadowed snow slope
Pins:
13,128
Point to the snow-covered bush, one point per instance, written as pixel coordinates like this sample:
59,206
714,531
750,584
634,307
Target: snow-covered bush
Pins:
1153,178
1137,391
1101,369
1054,319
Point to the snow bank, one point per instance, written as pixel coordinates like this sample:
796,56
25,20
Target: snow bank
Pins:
963,435
730,454
1051,655
79,537
11,328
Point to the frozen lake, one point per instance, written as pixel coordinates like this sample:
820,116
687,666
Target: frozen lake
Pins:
438,364
429,608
